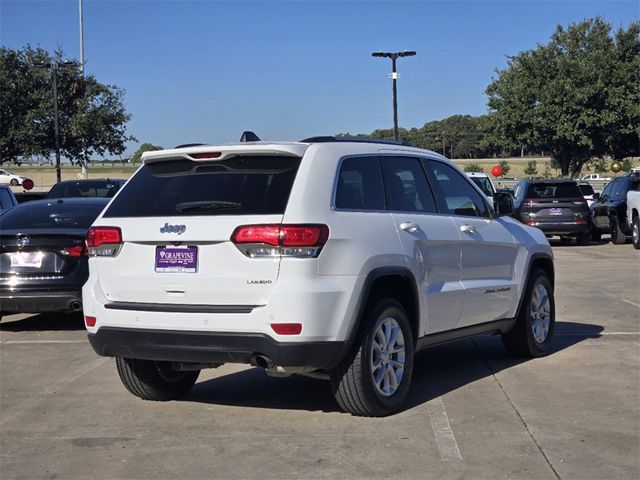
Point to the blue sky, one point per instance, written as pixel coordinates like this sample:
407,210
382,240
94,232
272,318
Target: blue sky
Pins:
205,71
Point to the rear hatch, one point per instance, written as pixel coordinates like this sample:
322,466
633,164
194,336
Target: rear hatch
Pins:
554,202
176,217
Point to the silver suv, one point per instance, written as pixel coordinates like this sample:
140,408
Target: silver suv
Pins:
329,257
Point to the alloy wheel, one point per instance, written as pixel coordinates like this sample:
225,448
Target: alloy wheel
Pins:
387,356
540,311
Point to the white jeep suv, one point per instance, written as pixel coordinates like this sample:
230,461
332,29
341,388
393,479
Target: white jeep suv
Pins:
335,258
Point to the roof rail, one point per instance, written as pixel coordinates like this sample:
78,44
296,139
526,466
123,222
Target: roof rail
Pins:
329,138
185,145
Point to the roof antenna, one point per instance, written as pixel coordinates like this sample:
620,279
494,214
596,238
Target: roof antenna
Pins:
249,136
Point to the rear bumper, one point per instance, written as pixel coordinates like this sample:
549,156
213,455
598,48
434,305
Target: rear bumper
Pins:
205,347
34,301
562,228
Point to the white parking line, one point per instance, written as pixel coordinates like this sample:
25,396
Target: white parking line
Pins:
27,342
445,439
631,303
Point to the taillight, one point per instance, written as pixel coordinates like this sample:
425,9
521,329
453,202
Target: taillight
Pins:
274,240
287,328
78,251
90,321
205,155
104,241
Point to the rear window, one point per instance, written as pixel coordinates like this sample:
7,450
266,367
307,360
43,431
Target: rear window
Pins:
242,185
50,215
553,190
105,189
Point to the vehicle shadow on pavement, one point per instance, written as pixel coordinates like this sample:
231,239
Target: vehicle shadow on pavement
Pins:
445,368
438,371
43,322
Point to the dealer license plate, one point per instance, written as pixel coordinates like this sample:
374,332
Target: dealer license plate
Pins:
555,211
27,259
177,259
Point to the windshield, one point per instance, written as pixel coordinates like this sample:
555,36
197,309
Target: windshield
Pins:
485,185
241,185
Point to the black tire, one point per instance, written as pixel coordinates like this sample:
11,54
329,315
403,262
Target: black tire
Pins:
617,235
14,182
596,236
635,234
520,341
583,239
352,381
152,380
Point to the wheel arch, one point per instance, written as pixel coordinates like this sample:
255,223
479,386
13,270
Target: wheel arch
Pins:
396,282
542,261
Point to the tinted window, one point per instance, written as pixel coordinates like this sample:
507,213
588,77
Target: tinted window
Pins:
619,188
406,185
53,214
360,184
456,195
85,189
5,199
586,189
242,185
553,190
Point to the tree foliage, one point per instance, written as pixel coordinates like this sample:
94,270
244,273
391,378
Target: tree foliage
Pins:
145,147
531,168
577,96
92,116
473,167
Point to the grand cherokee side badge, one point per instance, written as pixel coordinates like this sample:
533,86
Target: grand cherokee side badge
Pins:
179,229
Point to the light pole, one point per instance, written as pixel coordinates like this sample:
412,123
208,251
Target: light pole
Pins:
394,77
83,163
54,66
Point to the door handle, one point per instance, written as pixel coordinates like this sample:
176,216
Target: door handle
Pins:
470,229
409,227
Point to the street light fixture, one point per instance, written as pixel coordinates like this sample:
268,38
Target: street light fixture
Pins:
394,76
54,67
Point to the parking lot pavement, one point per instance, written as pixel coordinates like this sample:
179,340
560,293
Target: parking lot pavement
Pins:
473,412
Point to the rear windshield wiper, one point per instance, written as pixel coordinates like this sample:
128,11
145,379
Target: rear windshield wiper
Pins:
206,204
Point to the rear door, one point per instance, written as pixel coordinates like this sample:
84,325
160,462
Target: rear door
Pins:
177,217
488,250
431,242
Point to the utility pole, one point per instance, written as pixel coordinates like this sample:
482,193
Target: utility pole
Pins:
394,77
54,67
83,163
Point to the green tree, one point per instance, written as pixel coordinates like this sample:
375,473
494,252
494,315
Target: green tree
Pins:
92,117
473,167
505,166
532,168
600,165
146,147
577,97
547,172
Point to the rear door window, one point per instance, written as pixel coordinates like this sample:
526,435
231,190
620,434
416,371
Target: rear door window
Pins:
406,185
241,185
360,184
456,195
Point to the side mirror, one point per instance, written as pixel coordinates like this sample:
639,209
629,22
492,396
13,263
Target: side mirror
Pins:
503,204
596,196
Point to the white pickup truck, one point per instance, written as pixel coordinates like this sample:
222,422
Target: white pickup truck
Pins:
633,213
594,176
